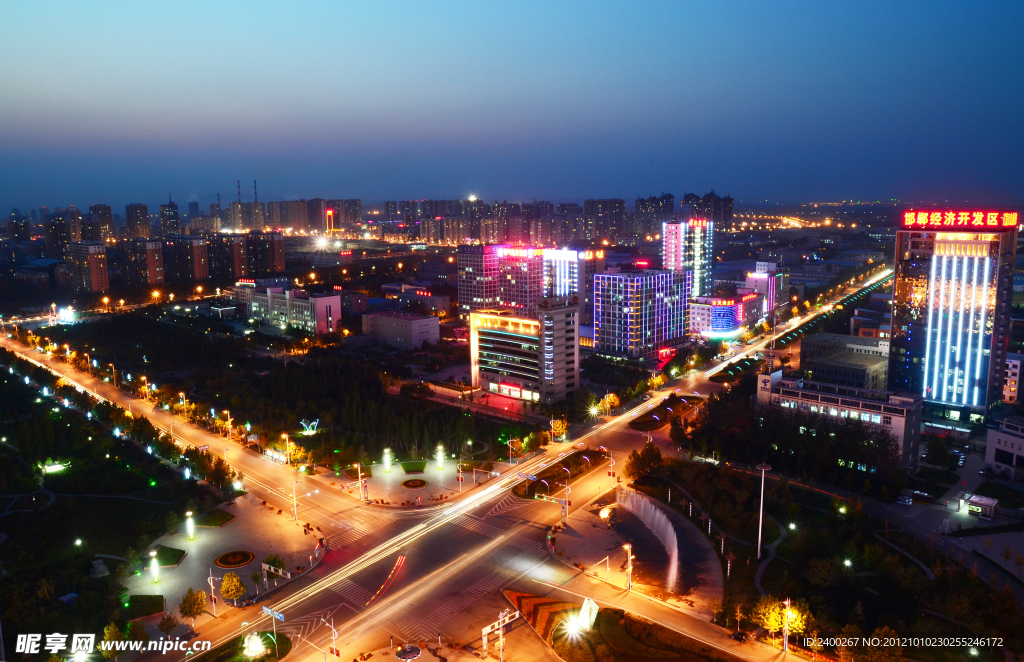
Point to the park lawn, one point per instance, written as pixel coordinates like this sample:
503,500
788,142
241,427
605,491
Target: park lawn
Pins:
414,466
168,556
1009,497
232,650
214,518
140,606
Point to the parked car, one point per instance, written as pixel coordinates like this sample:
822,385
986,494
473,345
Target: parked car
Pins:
740,636
904,501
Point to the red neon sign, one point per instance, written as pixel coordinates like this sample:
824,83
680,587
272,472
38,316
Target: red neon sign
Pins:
643,263
510,389
987,220
666,353
698,223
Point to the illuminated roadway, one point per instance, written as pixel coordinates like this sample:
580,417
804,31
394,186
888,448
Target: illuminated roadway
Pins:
456,556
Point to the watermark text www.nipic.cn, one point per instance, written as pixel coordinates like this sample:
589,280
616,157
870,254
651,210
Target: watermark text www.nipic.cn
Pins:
86,643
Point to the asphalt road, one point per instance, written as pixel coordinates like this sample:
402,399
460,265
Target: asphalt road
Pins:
412,575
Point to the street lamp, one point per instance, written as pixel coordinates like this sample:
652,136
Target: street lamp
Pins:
153,565
440,456
611,465
334,635
629,566
760,517
190,525
387,460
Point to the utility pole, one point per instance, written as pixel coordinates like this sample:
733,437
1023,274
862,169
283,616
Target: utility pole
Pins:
760,517
785,627
629,566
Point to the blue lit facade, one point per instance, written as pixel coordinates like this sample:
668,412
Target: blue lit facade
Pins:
638,313
950,322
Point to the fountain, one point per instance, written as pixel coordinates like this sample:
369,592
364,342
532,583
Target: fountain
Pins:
657,523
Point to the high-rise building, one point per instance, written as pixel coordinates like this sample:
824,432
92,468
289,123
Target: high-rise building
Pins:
638,314
216,213
193,208
235,217
769,280
274,217
87,266
534,359
353,211
143,262
18,227
571,273
297,214
58,234
228,257
478,278
137,217
170,222
520,279
101,222
950,321
265,251
253,215
316,215
688,246
408,211
391,210
608,215
186,259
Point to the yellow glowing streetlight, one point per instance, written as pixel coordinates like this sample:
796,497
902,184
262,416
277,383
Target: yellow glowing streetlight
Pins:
155,294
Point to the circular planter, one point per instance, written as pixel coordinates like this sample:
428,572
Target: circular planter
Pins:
236,559
414,484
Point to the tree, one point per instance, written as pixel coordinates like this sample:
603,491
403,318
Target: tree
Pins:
738,614
167,624
232,587
1019,562
257,576
131,559
851,633
648,460
583,401
111,633
814,643
559,427
610,402
1007,555
884,653
768,614
715,605
938,453
135,631
192,604
275,561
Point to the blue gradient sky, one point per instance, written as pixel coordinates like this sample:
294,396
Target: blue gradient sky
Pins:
121,102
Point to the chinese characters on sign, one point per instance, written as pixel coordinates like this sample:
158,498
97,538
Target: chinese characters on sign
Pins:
29,643
960,219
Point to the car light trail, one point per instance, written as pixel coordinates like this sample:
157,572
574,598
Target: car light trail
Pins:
387,582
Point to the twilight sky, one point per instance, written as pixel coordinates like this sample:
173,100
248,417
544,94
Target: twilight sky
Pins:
121,102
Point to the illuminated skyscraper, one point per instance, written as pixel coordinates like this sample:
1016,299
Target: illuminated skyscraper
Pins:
950,321
637,314
688,246
137,217
170,223
571,273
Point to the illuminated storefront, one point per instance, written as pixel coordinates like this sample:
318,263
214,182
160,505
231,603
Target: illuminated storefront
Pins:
950,322
712,317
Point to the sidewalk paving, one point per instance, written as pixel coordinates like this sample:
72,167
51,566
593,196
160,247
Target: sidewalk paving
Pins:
256,529
588,538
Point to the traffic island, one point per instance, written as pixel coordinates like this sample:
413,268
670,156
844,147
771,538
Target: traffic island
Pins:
254,647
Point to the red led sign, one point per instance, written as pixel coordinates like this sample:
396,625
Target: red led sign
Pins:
987,220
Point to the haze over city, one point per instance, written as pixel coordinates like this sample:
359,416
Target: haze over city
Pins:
122,102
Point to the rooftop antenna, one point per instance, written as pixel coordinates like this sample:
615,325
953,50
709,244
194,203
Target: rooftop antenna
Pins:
255,197
169,201
218,200
239,181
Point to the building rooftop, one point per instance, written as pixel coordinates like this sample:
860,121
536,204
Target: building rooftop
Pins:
799,383
846,359
393,314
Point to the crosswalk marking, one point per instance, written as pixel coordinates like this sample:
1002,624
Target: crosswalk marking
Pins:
509,502
424,624
352,592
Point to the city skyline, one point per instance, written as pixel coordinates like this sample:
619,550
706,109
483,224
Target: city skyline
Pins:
896,102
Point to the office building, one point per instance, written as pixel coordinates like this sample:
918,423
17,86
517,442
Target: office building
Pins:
772,282
639,313
713,317
571,273
170,223
137,217
87,266
689,246
1011,378
534,359
817,344
143,262
100,224
265,252
477,278
873,319
309,313
402,330
847,369
1004,449
897,413
228,256
950,322
186,259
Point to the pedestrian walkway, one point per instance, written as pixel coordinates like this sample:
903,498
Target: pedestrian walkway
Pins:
771,555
